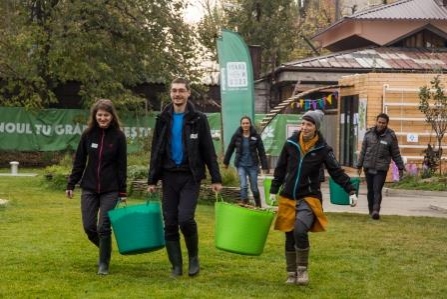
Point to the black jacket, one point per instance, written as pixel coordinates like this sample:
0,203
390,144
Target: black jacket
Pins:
257,150
100,162
198,147
299,175
378,150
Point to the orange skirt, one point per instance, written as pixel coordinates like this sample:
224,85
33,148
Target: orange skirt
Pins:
285,217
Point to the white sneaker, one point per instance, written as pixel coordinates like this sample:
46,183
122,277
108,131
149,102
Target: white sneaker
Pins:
291,278
302,277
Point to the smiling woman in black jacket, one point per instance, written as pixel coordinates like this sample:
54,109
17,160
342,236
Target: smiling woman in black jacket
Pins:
100,165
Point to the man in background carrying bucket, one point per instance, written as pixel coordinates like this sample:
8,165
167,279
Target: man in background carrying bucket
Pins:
181,148
300,201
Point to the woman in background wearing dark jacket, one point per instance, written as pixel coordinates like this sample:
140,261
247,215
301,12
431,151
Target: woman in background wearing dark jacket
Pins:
100,165
300,210
249,153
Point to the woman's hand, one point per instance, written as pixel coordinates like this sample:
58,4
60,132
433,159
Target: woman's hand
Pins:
216,187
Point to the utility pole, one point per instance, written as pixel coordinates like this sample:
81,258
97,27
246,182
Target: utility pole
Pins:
337,9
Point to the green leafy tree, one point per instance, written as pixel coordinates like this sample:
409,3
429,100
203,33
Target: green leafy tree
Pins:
313,17
433,103
282,28
209,27
108,46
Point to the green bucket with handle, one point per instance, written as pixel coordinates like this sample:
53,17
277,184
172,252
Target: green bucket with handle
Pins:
267,184
338,195
138,228
241,229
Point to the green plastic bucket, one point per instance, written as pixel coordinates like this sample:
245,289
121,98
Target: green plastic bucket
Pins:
138,228
241,230
338,195
267,185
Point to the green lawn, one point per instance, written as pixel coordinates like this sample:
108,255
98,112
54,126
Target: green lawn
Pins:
44,254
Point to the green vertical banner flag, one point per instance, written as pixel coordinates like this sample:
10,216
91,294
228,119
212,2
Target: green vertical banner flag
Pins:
236,82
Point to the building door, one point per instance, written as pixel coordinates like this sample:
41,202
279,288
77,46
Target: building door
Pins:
349,107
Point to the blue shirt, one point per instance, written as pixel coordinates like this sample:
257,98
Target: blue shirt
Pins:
245,155
177,138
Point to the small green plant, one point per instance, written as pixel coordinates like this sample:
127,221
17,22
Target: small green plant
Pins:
55,177
67,160
137,172
229,177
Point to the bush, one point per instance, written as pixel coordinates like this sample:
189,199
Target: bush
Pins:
410,182
55,177
229,177
140,159
136,172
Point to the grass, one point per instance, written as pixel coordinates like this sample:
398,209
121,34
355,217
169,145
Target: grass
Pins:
45,254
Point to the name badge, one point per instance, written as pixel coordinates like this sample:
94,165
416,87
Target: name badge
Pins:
94,145
383,142
194,136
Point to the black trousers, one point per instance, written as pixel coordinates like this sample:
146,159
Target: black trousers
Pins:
180,197
95,218
374,184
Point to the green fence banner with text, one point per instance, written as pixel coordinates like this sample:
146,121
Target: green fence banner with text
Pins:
61,129
58,129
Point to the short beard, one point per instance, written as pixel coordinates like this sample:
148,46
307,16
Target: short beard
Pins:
382,130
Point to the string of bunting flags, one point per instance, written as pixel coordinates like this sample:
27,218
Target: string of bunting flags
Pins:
307,104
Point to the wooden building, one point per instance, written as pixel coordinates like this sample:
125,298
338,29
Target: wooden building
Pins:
381,57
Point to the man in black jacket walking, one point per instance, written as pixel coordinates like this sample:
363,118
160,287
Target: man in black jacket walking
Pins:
379,146
181,148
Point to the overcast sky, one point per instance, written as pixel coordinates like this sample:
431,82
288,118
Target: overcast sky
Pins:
194,11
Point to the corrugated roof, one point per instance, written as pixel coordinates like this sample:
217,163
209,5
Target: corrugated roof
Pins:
384,59
404,9
400,10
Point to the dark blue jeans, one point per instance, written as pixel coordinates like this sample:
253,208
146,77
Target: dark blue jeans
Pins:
95,218
252,173
180,196
374,184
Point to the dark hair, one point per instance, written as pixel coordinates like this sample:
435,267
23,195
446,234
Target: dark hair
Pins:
107,105
181,81
383,115
245,117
